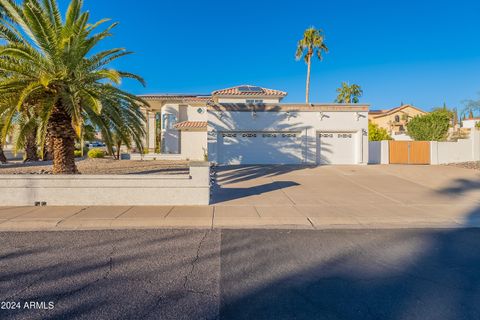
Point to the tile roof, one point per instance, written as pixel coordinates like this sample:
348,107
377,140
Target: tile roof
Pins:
175,97
381,113
191,125
234,91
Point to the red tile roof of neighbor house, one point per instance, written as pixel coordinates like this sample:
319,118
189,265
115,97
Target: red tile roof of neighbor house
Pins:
255,91
191,125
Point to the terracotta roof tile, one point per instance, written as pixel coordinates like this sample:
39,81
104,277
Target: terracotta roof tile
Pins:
257,91
191,125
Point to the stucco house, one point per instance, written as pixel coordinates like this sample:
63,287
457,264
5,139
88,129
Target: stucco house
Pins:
250,125
395,120
470,123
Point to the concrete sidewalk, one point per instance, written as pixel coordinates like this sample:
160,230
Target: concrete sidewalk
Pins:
292,197
241,217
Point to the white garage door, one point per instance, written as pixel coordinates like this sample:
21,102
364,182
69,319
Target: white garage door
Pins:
336,148
257,147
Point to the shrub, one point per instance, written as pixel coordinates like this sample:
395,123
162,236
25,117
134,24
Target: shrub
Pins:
375,133
96,153
78,153
477,125
430,127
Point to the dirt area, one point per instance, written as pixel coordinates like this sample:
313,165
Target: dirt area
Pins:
102,166
475,165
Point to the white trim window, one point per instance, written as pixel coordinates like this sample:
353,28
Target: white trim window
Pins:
169,120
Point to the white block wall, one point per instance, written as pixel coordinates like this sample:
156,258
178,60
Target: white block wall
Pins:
464,150
108,190
378,152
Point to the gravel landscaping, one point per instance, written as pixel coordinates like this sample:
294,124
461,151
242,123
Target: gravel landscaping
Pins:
102,166
475,165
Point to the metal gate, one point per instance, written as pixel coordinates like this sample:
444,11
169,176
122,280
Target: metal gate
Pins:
409,152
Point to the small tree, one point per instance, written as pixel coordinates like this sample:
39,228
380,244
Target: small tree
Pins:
477,125
375,133
430,127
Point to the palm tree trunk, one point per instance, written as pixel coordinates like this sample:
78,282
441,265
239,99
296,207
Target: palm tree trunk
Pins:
309,65
3,159
48,148
31,148
63,137
119,145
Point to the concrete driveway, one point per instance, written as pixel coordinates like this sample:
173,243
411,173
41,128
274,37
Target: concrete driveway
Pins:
329,196
291,197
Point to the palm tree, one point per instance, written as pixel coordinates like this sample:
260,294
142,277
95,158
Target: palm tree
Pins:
121,124
3,158
311,44
349,93
49,60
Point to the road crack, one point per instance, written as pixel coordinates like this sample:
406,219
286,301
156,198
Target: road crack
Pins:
193,263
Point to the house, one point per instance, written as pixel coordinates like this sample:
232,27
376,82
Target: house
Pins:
395,120
470,123
250,125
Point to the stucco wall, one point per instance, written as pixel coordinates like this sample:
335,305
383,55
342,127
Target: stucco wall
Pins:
384,121
470,123
197,113
194,145
454,152
307,123
378,152
113,190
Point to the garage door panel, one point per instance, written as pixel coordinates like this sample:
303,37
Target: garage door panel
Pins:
261,148
336,148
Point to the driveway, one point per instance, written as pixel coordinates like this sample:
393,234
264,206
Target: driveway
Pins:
291,197
330,196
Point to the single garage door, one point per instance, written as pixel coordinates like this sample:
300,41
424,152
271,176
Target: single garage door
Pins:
336,148
260,147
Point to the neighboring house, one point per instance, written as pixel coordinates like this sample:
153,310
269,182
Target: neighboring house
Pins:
250,125
395,120
470,123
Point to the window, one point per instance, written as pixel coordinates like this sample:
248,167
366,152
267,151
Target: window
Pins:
254,101
397,118
169,120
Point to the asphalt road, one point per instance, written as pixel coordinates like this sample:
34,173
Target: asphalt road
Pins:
242,274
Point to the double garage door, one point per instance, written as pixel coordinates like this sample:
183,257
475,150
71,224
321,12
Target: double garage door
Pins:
257,147
285,147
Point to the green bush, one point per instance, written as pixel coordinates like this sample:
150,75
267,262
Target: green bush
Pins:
78,153
477,125
375,133
430,127
96,153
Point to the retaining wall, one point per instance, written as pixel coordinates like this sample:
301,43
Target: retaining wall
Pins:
108,190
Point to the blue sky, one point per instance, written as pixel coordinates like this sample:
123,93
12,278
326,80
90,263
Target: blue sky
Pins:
420,52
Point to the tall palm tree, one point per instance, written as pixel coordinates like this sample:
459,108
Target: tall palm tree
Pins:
311,44
49,60
349,93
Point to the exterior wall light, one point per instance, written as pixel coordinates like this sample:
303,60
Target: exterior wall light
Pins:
359,116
